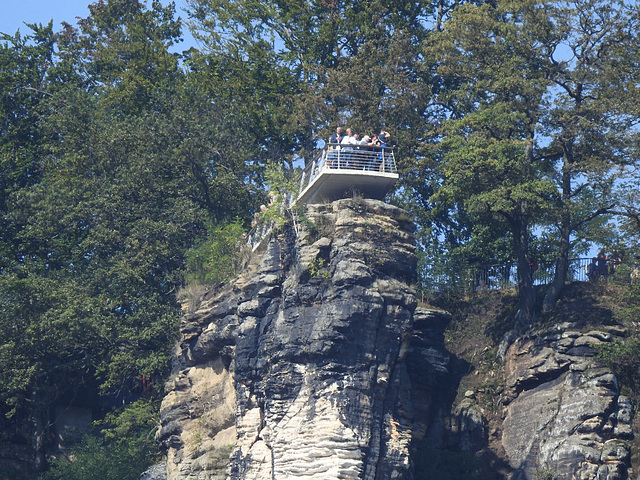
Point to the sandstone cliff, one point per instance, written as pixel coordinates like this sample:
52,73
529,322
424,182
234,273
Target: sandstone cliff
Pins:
549,410
317,364
564,415
296,369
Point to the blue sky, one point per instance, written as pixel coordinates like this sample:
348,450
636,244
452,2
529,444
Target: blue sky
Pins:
15,13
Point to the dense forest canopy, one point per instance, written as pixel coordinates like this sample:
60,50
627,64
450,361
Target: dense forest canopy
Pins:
516,123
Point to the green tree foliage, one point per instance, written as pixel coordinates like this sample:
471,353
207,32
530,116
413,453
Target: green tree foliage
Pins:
623,357
124,172
486,170
349,63
121,51
254,87
532,136
590,120
24,62
220,256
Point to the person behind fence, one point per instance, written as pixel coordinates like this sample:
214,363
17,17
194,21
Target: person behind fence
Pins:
334,148
533,266
337,136
383,137
346,145
355,157
592,270
370,146
365,153
602,263
614,261
376,157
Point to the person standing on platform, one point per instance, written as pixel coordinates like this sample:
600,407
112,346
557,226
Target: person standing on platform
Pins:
334,148
346,145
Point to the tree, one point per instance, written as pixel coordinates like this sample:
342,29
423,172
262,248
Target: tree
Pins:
494,89
529,135
121,50
591,120
344,63
120,446
130,167
24,63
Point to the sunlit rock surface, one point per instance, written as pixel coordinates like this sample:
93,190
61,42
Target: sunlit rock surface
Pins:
565,416
317,364
297,369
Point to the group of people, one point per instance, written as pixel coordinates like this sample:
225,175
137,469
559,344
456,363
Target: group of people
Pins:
351,138
348,150
603,265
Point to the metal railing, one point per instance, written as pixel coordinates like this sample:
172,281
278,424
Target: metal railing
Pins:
335,156
501,276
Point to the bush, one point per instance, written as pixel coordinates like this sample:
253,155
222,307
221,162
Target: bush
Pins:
219,257
122,447
624,359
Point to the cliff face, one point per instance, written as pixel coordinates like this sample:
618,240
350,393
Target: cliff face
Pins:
564,413
317,364
548,410
297,369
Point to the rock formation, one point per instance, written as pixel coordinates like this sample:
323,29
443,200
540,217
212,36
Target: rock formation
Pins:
317,364
564,416
297,370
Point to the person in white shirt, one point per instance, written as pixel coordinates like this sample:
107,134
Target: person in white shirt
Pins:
347,141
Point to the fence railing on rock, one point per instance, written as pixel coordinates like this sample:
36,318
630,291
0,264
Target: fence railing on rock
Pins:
337,171
500,276
362,159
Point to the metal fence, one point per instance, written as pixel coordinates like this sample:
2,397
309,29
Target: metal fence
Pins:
501,276
335,156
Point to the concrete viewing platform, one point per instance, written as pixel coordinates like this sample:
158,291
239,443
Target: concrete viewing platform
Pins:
339,171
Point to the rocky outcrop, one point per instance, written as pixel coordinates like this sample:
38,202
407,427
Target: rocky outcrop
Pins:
565,417
317,364
298,369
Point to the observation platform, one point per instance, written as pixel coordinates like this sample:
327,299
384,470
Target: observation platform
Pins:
339,171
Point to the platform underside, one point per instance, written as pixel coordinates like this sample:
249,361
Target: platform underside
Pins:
332,185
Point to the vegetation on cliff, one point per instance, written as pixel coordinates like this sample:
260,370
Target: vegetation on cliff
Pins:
120,446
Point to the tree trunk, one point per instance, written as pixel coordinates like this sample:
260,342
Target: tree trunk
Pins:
39,439
562,267
526,292
562,258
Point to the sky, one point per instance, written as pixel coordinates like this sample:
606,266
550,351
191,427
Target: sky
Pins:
15,13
